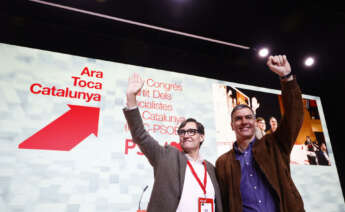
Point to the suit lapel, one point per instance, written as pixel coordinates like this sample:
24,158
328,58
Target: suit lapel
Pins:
183,165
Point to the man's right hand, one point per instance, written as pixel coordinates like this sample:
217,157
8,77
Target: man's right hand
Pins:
135,84
280,65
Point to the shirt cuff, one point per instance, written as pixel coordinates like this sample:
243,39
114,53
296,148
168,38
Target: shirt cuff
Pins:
130,108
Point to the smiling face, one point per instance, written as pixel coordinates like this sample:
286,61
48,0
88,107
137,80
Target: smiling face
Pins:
243,123
188,141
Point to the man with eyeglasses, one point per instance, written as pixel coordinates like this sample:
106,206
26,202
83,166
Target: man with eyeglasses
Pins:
255,174
184,181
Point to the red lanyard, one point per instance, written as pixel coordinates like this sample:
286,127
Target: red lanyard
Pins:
203,187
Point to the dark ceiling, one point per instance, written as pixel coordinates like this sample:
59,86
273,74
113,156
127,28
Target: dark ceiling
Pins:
294,28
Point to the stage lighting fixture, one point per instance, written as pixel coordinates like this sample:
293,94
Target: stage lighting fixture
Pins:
309,61
263,52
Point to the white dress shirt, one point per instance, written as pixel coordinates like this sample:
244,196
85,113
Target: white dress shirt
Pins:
191,188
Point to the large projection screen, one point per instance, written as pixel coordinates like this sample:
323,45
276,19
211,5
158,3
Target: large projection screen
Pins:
65,145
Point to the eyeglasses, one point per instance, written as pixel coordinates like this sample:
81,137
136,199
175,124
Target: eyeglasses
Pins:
189,132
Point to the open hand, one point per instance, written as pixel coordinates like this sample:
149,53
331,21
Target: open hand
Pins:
255,104
135,84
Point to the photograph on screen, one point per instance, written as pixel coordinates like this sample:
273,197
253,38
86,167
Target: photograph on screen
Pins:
310,146
103,165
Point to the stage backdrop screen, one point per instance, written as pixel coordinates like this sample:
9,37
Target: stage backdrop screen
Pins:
65,145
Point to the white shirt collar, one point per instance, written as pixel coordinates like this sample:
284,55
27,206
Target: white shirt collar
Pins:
199,160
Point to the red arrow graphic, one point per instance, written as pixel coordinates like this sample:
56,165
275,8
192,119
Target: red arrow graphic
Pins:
67,131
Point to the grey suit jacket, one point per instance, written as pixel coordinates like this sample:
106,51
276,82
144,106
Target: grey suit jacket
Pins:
169,166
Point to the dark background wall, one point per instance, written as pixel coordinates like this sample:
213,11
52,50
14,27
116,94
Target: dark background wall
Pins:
292,28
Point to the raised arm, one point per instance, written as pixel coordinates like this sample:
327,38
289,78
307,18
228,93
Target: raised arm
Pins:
148,145
292,119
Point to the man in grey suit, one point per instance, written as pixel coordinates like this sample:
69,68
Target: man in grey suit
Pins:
183,181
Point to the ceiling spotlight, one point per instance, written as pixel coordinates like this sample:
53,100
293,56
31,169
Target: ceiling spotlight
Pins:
263,52
309,61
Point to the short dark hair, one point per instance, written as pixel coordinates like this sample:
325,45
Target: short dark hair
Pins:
199,126
239,107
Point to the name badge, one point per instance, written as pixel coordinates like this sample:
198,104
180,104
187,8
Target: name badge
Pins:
205,205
